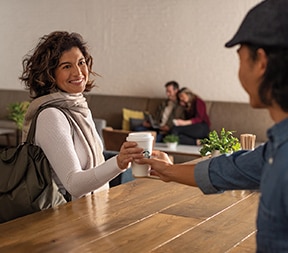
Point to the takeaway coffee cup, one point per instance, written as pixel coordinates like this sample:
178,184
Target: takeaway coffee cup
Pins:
145,141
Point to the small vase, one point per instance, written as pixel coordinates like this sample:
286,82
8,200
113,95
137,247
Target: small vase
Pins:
215,153
171,145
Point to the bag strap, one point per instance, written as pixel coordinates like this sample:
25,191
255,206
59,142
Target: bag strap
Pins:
32,129
31,134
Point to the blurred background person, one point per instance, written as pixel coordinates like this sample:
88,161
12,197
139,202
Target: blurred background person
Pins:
166,112
196,124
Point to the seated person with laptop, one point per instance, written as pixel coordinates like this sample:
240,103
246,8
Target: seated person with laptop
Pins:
166,112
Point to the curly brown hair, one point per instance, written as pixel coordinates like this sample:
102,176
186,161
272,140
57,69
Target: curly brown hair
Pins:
39,67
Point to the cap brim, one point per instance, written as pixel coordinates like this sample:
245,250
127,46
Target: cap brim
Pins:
232,43
238,38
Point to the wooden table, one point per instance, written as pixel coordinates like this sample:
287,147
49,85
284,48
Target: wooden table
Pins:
145,215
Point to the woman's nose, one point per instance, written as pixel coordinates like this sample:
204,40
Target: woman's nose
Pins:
77,70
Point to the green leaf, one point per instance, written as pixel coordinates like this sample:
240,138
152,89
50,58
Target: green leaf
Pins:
17,111
171,138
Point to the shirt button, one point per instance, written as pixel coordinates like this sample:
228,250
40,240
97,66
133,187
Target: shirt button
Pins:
270,161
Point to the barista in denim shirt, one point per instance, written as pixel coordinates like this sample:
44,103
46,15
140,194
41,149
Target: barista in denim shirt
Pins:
263,73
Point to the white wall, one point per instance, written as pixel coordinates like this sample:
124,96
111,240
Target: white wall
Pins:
137,45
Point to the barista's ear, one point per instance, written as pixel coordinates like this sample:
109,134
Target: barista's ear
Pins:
262,61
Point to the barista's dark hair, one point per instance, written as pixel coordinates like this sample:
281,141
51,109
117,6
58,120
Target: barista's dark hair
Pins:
274,86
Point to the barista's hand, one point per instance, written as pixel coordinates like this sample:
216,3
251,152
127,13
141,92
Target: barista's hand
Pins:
159,163
161,155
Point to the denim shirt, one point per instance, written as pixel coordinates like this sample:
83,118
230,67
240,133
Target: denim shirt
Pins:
265,168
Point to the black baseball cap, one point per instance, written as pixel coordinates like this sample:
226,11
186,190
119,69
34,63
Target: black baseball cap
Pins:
266,24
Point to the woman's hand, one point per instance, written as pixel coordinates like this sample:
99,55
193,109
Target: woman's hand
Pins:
182,122
128,152
160,163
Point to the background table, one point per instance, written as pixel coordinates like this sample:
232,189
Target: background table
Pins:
145,215
182,153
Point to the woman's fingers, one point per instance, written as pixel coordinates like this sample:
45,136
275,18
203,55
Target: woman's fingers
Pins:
128,152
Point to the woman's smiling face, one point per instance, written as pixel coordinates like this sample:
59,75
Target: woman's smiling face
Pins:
71,75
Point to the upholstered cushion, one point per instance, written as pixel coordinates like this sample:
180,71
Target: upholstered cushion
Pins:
127,114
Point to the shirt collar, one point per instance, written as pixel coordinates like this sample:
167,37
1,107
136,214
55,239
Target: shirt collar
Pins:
278,134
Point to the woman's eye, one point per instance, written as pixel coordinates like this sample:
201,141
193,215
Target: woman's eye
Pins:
82,62
66,66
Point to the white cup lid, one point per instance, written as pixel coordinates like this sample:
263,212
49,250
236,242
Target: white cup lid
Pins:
139,136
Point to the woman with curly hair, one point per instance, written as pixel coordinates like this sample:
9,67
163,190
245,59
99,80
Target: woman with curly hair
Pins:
56,74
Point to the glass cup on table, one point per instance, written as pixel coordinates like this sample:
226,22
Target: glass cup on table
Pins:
247,141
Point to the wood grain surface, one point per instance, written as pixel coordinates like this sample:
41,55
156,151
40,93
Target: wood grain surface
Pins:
144,215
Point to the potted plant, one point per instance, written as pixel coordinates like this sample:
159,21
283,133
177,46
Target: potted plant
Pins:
171,141
16,112
224,144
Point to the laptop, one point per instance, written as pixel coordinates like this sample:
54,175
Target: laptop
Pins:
150,119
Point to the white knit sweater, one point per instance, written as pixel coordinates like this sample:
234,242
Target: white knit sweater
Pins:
53,135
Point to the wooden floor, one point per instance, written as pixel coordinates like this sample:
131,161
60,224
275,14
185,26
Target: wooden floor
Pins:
145,215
